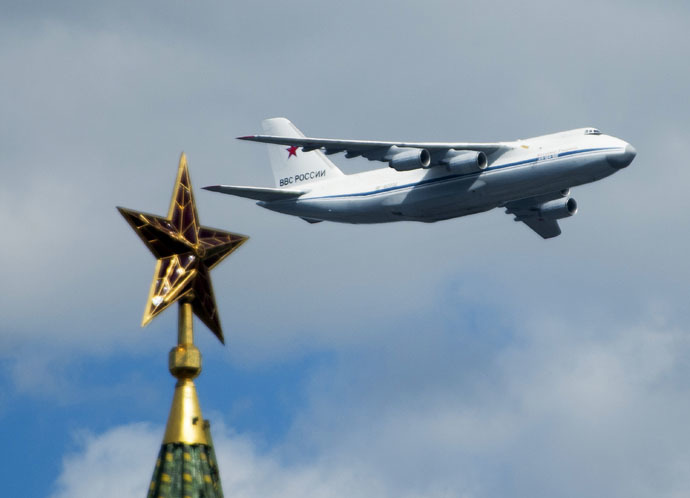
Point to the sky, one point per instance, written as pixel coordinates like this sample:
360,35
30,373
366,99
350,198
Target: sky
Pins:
466,358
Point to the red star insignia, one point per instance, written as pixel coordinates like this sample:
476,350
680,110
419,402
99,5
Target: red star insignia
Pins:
292,151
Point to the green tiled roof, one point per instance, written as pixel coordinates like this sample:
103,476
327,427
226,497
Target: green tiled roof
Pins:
184,470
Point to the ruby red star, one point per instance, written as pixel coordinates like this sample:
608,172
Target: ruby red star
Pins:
186,252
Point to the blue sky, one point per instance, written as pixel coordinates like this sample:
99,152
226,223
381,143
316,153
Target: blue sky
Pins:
465,358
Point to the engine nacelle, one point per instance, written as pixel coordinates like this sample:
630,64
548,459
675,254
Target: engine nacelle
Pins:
560,208
410,159
470,161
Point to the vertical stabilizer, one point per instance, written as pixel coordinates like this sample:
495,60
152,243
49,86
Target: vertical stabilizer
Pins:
291,165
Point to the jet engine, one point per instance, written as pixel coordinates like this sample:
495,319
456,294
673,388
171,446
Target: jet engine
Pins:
410,159
469,161
558,209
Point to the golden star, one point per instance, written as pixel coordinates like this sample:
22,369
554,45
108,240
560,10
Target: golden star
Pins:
186,253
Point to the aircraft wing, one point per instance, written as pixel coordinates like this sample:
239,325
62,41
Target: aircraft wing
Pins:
378,151
257,193
527,211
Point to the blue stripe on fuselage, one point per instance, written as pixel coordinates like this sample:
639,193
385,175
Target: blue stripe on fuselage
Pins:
456,177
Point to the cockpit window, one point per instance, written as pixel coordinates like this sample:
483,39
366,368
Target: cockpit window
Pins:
592,131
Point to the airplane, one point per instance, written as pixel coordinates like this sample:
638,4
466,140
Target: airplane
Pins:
432,181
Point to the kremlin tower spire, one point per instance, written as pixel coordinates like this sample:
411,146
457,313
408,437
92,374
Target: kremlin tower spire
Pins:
186,252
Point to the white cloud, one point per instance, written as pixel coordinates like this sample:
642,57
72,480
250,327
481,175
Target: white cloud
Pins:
555,411
120,462
114,463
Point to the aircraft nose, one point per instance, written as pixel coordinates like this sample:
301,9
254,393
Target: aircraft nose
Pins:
622,159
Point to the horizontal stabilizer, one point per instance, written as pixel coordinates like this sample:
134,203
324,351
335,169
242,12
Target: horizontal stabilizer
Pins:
257,193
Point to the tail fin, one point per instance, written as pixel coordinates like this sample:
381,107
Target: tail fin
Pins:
292,166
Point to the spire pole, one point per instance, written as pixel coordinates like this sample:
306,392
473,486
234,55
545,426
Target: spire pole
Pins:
185,423
185,326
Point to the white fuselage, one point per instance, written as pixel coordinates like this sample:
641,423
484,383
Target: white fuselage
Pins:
529,168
